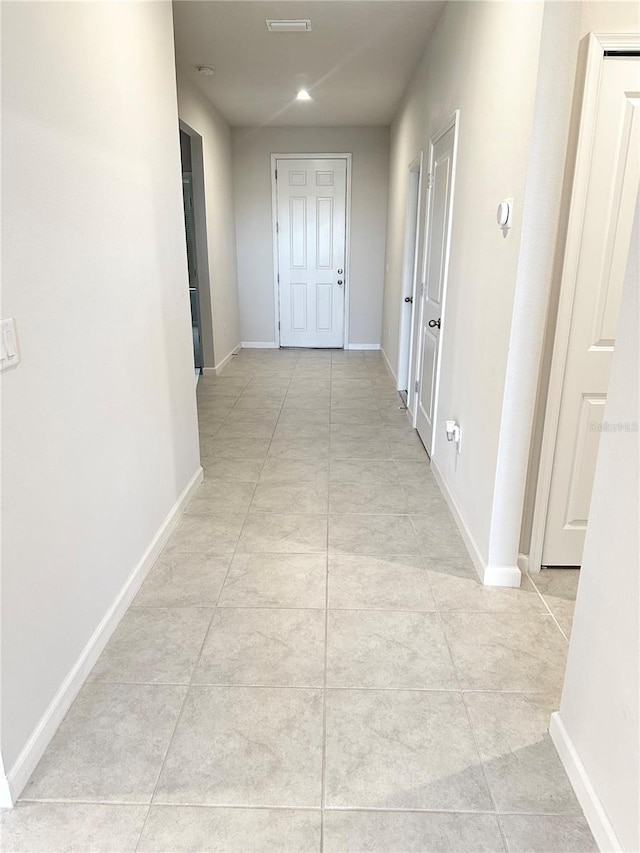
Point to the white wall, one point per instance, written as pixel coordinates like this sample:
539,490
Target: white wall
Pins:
252,149
99,422
196,111
599,715
481,59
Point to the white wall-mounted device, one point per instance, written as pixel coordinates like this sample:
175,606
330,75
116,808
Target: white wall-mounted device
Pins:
454,433
504,214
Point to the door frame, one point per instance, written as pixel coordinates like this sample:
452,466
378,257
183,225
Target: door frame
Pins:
202,248
347,241
405,341
597,44
187,181
453,122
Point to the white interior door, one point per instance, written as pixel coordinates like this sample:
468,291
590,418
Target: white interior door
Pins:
612,190
440,183
311,211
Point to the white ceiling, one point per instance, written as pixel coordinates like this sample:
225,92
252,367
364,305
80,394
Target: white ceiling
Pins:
356,61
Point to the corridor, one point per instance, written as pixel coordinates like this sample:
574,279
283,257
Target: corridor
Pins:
312,663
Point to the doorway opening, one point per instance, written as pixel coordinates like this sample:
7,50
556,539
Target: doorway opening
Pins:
193,196
409,279
190,234
311,202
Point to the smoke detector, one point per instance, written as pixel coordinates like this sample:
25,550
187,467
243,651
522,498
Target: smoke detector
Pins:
299,25
206,70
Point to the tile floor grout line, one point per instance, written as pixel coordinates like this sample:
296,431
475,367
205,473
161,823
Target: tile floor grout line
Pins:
544,601
238,806
166,804
142,829
471,728
235,550
353,687
189,685
483,768
415,533
175,727
138,804
423,610
323,779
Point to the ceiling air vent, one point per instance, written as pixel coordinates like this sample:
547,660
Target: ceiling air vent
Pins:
300,25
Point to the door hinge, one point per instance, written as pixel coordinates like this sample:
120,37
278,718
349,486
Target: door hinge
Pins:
278,278
277,227
430,180
422,290
276,174
278,325
416,387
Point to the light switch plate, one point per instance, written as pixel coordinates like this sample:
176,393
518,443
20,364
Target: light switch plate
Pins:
9,352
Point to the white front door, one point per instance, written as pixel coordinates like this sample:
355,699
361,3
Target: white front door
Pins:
614,179
311,225
435,282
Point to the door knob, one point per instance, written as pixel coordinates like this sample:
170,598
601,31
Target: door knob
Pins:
339,272
340,282
408,299
434,323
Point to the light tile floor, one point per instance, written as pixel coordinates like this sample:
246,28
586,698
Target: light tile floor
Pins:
312,663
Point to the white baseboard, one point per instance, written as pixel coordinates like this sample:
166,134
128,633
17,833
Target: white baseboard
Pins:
363,346
389,368
217,370
502,576
594,811
469,541
222,364
523,565
489,575
31,754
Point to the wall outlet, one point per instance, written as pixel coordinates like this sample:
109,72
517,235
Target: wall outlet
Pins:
454,433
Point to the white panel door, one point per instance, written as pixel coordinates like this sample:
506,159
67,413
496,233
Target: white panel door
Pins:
614,179
311,210
435,281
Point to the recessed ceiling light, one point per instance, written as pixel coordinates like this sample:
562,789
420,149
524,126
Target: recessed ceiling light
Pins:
299,25
205,70
303,95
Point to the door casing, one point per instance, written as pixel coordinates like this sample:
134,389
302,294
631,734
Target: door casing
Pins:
410,278
597,44
347,244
